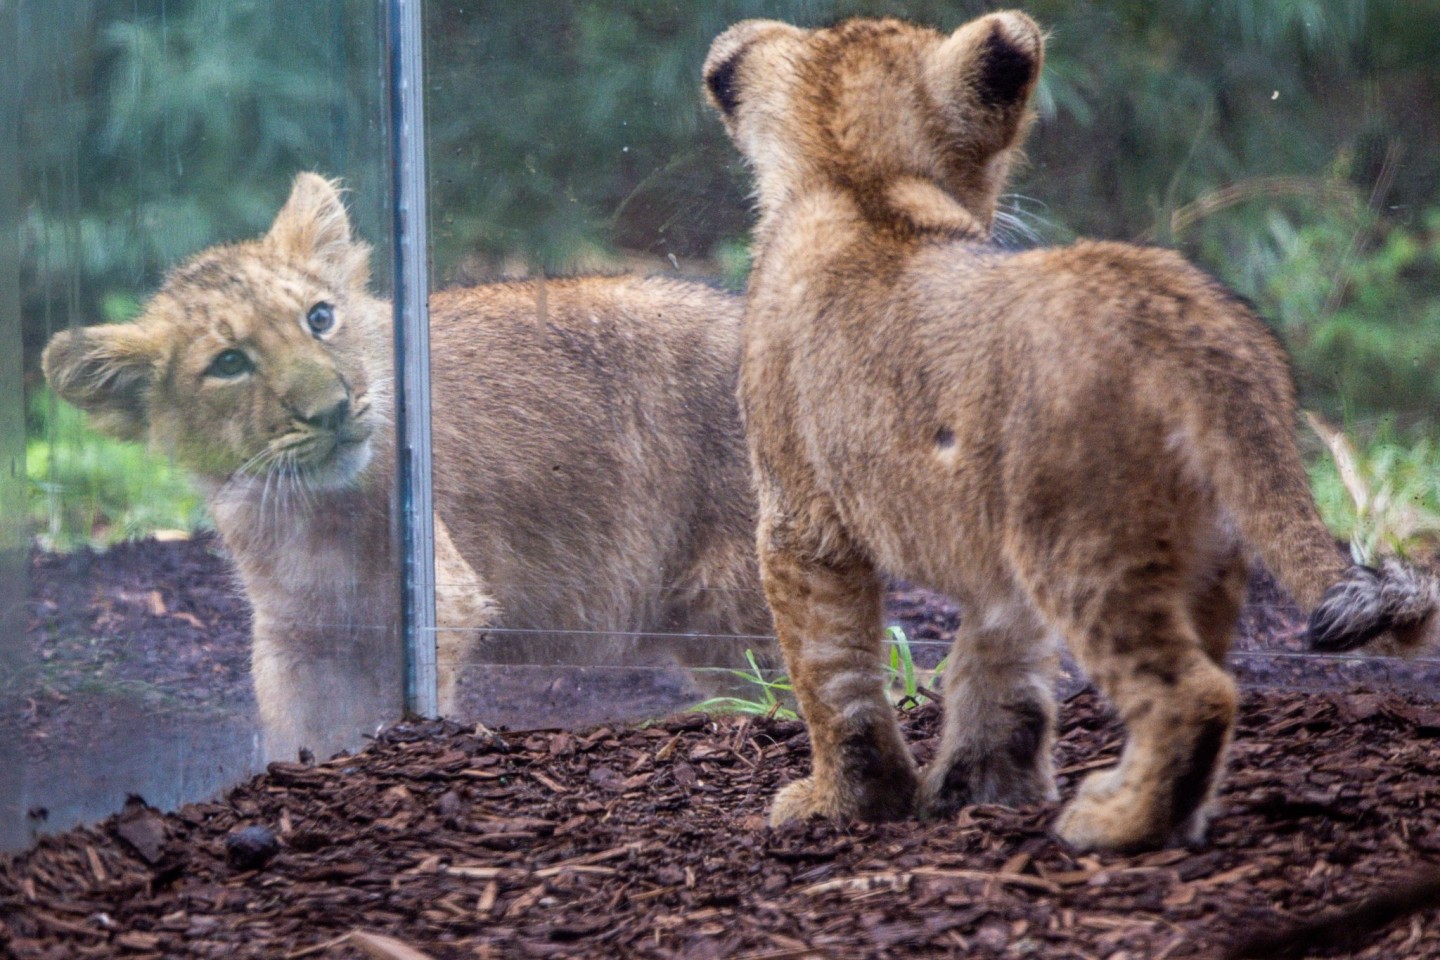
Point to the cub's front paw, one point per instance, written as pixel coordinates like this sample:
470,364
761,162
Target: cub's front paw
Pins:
802,800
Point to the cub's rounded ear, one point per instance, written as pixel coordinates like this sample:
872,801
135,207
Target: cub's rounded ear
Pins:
314,227
991,63
105,371
722,64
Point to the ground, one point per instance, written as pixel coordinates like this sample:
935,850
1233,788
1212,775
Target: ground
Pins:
649,840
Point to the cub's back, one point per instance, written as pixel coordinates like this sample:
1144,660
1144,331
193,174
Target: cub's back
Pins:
587,440
1058,318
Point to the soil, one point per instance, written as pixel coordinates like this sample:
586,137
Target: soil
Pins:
163,627
161,624
649,840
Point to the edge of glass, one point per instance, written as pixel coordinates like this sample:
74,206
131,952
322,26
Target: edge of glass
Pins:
14,539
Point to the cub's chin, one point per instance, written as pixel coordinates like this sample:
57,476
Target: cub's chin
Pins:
342,468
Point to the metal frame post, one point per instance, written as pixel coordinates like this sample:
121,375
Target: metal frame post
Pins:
412,353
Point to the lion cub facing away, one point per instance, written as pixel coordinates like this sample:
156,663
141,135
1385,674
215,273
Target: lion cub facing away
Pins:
589,465
1081,444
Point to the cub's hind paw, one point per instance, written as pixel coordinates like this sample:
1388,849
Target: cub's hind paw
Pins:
892,799
1088,824
1103,816
945,788
801,800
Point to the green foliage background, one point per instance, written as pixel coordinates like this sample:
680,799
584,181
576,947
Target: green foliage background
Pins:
1292,148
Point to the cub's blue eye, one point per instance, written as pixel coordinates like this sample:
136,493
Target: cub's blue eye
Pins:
321,318
230,363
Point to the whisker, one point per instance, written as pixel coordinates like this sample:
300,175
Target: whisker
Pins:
302,482
1017,219
288,483
265,491
281,473
241,474
290,442
1014,233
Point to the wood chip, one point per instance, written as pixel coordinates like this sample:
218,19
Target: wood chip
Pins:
381,947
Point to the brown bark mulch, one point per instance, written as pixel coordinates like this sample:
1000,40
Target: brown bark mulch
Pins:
651,842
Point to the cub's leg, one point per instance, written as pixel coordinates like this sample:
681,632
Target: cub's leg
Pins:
316,693
1215,605
462,611
1215,611
717,612
1141,647
999,713
828,618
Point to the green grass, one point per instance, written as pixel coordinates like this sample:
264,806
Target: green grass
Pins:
770,698
773,696
85,489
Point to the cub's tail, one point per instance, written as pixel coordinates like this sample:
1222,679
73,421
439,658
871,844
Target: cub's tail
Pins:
1241,416
1367,603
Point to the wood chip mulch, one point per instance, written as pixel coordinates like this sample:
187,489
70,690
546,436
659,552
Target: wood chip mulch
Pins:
445,842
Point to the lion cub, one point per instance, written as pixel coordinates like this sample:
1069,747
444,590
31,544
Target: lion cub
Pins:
589,466
1081,444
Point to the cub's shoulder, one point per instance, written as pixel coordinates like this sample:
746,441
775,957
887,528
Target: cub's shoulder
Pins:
1105,265
1108,257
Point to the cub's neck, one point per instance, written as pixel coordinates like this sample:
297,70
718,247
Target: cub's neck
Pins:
898,211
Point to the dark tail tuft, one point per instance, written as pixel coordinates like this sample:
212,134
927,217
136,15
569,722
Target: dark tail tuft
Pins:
1366,603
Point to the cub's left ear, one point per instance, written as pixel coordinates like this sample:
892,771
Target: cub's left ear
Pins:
991,63
722,64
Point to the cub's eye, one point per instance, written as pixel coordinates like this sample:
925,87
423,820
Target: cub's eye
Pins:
230,363
321,318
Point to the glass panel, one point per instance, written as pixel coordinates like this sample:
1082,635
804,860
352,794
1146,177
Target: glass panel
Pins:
1264,141
198,481
589,467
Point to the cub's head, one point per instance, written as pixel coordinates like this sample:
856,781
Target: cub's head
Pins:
897,115
257,361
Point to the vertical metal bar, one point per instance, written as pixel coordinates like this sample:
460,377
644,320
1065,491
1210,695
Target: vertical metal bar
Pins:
412,354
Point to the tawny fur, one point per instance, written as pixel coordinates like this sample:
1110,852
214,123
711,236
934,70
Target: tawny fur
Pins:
590,474
1083,444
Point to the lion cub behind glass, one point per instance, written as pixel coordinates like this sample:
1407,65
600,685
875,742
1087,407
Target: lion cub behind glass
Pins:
589,466
1079,443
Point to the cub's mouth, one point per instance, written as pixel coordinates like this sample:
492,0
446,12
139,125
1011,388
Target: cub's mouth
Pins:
339,450
337,459
312,455
342,468
315,459
353,434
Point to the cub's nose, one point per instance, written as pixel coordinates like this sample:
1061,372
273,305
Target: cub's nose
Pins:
330,417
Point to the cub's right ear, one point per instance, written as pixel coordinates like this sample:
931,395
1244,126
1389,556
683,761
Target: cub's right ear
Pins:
105,371
722,64
314,227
